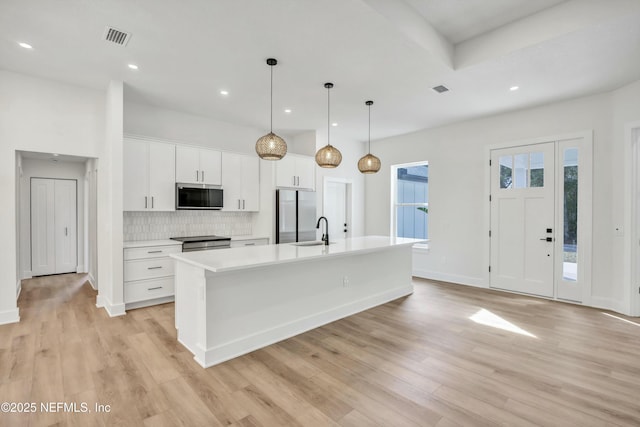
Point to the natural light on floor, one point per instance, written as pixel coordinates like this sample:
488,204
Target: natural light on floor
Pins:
485,317
620,318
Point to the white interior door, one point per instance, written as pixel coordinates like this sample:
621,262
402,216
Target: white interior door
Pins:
336,209
42,227
523,219
65,211
53,226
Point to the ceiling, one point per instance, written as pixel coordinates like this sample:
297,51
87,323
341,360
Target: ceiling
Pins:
391,51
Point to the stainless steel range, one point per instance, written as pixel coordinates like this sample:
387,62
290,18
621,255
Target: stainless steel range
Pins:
203,243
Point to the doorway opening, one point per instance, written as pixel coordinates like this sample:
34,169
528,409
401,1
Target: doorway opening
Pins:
56,216
337,206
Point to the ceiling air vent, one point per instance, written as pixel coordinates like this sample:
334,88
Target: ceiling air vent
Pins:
116,36
440,89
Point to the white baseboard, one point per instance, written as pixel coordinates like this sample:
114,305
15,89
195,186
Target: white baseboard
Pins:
113,310
609,304
18,289
80,269
149,303
92,282
9,316
451,278
214,355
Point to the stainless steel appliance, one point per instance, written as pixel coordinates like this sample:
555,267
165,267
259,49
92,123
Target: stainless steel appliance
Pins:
295,216
198,196
203,243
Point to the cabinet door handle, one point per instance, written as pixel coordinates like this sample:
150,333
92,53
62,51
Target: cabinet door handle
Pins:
66,231
202,176
197,176
294,180
238,203
151,202
154,252
249,244
243,204
153,289
145,202
297,181
154,268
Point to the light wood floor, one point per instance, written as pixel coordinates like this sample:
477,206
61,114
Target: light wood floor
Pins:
418,361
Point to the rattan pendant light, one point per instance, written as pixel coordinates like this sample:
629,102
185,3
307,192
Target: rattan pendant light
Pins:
271,146
369,163
328,156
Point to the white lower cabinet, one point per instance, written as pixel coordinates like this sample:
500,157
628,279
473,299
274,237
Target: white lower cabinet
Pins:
149,274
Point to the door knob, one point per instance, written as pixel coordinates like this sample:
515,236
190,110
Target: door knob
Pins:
547,239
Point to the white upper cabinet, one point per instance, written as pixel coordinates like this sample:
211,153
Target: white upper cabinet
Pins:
162,180
296,172
198,166
241,182
148,172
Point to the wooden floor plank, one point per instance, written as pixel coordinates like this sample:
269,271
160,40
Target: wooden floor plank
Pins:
417,361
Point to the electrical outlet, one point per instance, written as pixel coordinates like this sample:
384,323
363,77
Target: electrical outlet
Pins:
345,281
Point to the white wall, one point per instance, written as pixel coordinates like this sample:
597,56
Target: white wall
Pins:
457,164
351,151
36,168
19,219
176,126
110,220
42,116
92,220
626,110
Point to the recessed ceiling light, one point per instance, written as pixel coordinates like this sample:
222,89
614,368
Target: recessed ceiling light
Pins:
224,92
25,45
514,88
288,110
334,124
133,66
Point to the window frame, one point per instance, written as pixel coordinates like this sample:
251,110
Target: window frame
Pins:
394,205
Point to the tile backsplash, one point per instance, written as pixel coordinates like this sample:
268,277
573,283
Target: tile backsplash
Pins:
163,225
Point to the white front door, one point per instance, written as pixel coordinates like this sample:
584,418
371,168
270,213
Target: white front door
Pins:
53,226
336,209
523,219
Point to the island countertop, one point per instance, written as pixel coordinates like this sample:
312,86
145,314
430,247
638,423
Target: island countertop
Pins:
224,260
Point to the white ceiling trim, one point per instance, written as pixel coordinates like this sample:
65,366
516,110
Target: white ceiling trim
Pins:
543,26
410,23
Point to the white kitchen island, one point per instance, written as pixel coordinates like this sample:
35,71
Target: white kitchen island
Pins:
232,301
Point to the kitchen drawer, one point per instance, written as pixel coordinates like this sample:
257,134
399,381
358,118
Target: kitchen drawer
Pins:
148,289
249,242
151,252
148,268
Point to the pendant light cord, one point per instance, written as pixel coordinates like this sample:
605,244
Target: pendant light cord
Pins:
271,125
369,129
328,115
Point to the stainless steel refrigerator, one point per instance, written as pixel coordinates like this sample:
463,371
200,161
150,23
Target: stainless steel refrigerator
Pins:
295,216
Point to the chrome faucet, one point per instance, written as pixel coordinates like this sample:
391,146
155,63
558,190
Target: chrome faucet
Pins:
325,236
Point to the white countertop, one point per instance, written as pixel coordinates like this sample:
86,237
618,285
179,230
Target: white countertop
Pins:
147,243
219,261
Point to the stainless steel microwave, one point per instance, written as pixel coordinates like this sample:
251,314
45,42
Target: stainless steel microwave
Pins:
198,196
